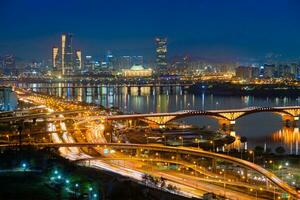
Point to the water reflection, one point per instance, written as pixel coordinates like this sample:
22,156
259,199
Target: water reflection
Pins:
289,138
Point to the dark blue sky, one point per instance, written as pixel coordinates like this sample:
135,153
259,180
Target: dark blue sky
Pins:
202,28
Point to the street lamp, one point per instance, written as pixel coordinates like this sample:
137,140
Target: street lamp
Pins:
213,144
181,138
253,156
165,139
24,166
198,141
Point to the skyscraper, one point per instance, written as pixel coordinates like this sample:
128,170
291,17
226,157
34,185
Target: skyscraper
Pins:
67,63
137,60
78,60
55,58
9,65
161,53
110,60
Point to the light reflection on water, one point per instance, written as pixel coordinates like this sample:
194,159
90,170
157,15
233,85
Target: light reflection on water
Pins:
259,128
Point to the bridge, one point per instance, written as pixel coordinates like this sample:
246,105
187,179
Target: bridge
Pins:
289,113
21,116
178,151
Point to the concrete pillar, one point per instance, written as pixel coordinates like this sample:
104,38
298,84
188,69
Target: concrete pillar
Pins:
129,90
246,174
139,91
161,89
138,152
171,89
225,124
151,90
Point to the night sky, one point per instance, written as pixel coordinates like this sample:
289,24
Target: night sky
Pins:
201,28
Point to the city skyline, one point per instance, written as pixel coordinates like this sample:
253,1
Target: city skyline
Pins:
205,29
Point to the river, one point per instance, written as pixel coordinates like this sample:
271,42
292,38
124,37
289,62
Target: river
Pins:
264,129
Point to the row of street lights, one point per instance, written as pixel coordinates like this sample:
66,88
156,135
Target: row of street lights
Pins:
57,176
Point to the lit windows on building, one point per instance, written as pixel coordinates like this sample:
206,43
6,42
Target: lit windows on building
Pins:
137,71
161,53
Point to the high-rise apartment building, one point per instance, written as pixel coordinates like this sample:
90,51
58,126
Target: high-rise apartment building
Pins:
161,53
9,65
67,63
78,60
55,58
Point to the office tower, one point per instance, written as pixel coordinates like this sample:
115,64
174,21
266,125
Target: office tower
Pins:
55,58
269,70
9,65
137,60
161,53
125,62
88,64
8,99
78,60
110,60
67,64
243,72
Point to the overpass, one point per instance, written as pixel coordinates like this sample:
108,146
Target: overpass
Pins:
290,113
177,150
42,115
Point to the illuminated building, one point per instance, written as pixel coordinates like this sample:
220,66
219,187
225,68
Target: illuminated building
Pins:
243,72
8,99
137,60
88,64
55,58
66,54
161,53
110,60
78,60
125,62
269,71
137,71
9,65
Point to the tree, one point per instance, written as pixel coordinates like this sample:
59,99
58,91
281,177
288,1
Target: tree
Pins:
244,139
259,150
280,150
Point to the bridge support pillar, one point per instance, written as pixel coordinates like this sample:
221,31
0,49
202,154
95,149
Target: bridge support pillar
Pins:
139,91
138,153
129,90
161,89
151,90
171,90
290,121
246,175
227,124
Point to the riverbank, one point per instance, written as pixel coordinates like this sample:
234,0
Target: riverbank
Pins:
258,90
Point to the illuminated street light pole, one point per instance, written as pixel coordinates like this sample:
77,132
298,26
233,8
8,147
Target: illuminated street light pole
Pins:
253,156
181,138
165,139
198,141
213,144
224,180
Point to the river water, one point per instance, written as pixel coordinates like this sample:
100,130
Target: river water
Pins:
264,129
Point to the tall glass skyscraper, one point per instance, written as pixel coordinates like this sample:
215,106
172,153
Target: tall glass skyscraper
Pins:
161,53
55,58
67,63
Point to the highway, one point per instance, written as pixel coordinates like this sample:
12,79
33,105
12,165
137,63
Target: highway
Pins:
72,144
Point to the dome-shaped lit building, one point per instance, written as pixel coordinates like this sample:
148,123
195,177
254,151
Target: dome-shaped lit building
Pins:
137,71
